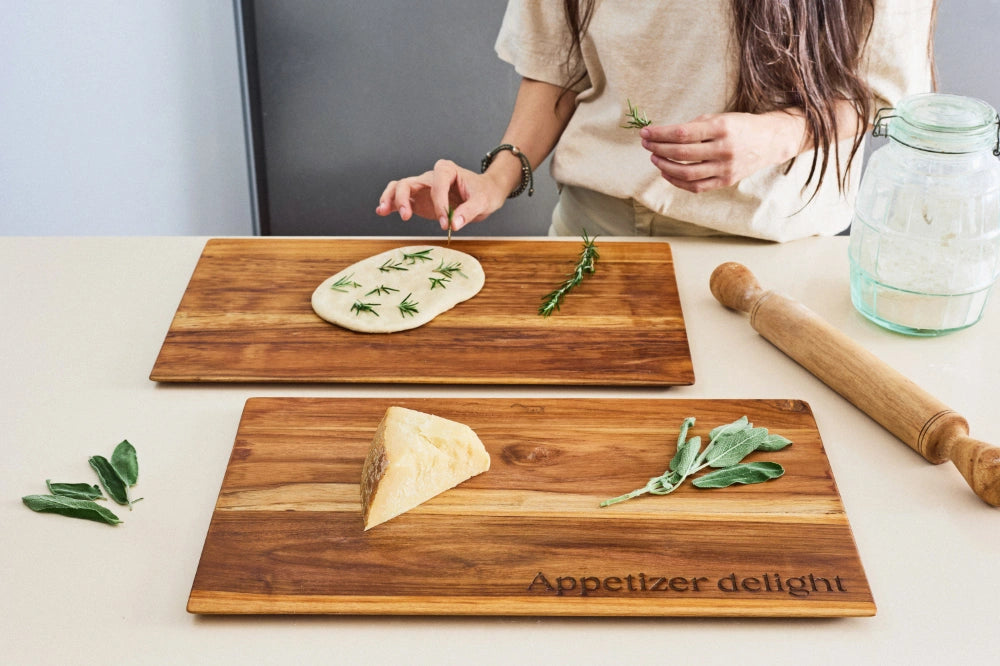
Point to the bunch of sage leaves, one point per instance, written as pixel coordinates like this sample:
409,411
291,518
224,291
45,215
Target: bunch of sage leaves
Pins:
728,445
77,500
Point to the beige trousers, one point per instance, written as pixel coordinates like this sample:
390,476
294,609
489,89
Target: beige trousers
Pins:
580,209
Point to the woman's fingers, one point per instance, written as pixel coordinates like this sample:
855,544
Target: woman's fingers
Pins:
469,196
445,177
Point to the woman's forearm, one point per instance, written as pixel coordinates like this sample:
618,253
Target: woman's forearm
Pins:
540,115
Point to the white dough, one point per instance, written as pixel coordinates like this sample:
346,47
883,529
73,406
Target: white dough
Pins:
415,274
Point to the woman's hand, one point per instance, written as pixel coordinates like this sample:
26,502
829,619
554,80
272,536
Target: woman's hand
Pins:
473,196
719,150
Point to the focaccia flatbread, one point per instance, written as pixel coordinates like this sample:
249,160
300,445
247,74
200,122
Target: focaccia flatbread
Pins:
398,289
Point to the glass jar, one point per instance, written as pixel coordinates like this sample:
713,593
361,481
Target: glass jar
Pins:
925,238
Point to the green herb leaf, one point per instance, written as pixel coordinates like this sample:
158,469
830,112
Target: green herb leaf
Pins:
737,425
450,270
68,506
734,447
344,283
773,443
729,444
584,265
683,444
743,473
635,119
389,266
113,484
381,289
125,462
360,307
413,257
83,491
408,307
684,459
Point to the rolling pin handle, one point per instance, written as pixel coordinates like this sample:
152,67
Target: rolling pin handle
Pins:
735,286
979,463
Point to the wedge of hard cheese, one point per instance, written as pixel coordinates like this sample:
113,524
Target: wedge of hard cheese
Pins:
414,457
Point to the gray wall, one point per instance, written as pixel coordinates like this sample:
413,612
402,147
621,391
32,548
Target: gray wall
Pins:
965,46
355,94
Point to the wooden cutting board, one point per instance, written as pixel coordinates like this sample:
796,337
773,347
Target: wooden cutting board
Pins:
528,537
246,316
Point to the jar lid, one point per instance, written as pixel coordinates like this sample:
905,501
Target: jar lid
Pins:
944,123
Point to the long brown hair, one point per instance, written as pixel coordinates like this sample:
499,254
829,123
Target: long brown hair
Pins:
792,53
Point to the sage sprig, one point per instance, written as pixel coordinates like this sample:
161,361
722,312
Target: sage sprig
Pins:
585,264
728,445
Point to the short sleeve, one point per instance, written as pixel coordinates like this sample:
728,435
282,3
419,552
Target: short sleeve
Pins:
535,39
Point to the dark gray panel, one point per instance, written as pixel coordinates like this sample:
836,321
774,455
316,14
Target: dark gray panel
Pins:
354,94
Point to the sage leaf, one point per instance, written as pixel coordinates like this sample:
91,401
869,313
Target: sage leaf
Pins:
68,506
685,457
743,473
125,462
774,443
113,484
682,443
82,491
735,426
734,447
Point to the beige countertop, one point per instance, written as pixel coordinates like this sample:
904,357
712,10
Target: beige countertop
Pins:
83,322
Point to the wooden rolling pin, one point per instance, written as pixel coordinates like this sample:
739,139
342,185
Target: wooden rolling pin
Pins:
929,427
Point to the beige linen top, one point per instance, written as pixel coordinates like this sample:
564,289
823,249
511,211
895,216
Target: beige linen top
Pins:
675,60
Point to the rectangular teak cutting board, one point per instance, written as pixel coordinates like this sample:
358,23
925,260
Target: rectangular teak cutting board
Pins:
246,316
527,537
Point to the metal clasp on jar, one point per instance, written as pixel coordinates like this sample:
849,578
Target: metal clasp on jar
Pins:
882,117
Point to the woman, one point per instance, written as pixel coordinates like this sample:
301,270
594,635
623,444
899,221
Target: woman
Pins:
758,108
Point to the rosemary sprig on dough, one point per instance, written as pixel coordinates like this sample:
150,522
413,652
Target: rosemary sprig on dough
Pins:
635,118
412,257
388,266
360,307
380,290
450,270
438,282
344,283
588,257
408,307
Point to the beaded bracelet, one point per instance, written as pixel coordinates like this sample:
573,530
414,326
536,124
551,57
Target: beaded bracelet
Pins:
527,178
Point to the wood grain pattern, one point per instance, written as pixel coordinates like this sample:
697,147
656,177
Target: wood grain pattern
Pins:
527,537
246,317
